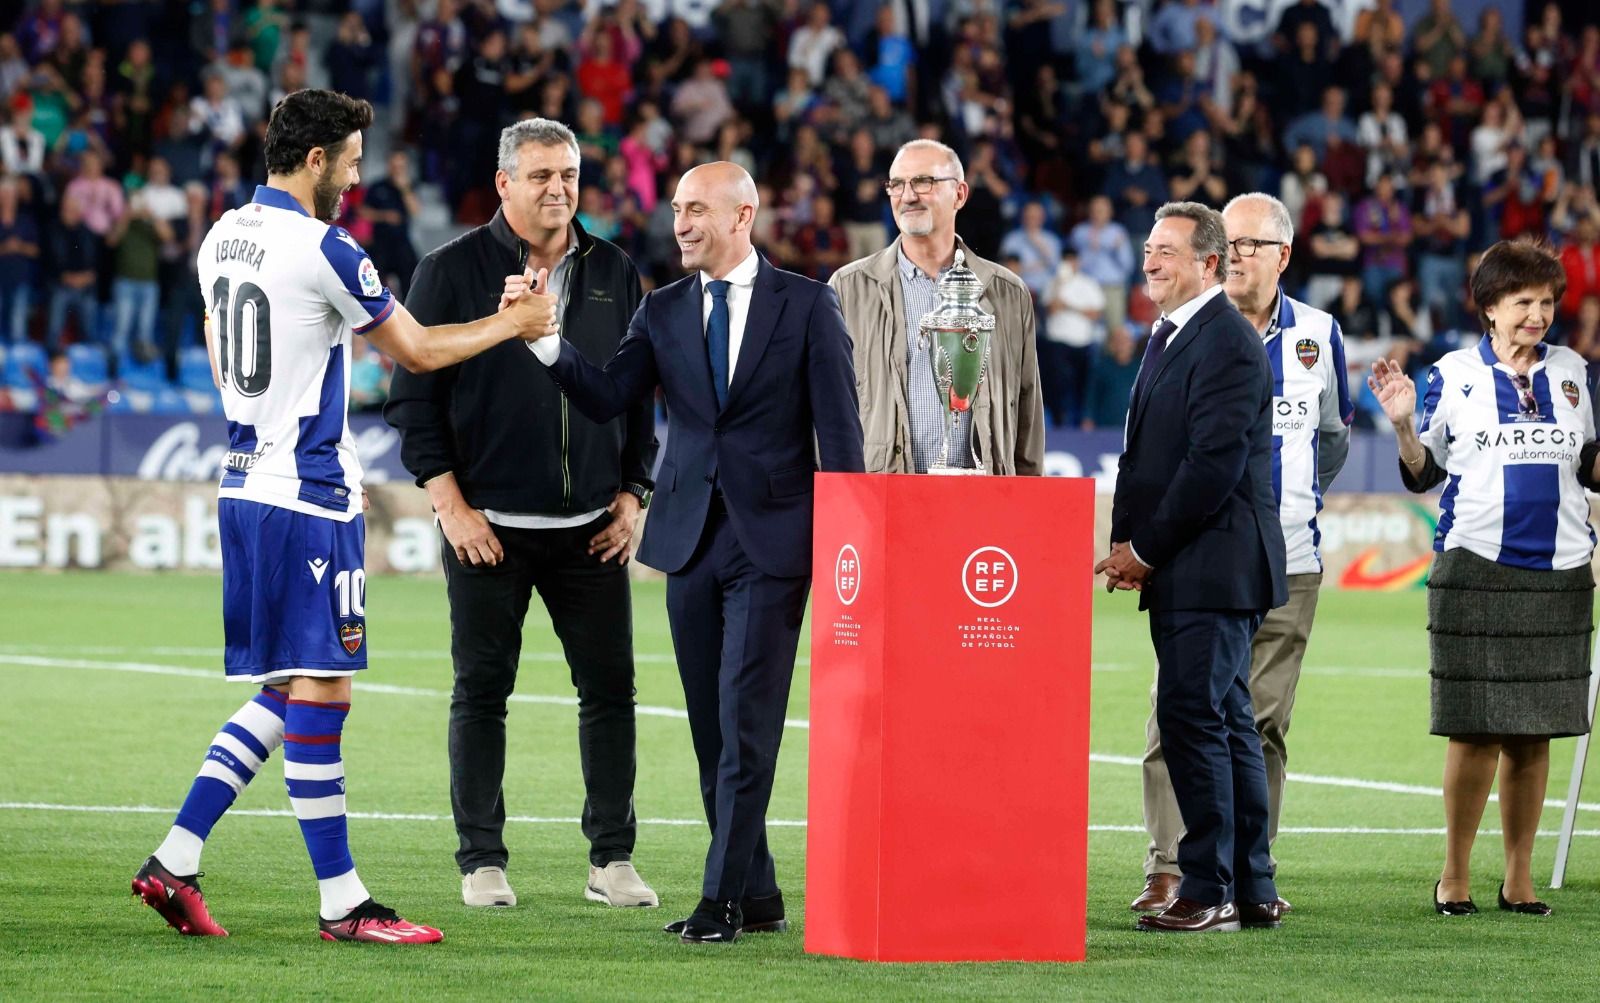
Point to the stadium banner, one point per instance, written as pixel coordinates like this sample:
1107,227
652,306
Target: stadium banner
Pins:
950,645
190,448
1373,542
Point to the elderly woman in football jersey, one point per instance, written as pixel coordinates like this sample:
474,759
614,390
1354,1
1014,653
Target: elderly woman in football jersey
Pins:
1508,427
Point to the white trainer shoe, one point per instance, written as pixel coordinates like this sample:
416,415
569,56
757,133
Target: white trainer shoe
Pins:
487,886
619,884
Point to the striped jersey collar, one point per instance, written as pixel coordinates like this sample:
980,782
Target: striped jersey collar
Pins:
277,198
1486,352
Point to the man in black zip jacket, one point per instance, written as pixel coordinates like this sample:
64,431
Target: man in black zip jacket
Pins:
531,495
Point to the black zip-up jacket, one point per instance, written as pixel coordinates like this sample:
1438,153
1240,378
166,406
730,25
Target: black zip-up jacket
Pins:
497,420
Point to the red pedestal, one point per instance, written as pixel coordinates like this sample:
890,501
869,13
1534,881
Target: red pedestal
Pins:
949,771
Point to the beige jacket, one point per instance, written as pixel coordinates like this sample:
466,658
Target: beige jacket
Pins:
1008,414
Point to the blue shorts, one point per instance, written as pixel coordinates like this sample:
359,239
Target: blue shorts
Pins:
294,593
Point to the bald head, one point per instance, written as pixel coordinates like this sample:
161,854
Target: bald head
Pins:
725,178
712,212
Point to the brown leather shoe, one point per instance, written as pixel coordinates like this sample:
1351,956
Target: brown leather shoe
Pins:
1189,916
1160,891
1283,904
1261,915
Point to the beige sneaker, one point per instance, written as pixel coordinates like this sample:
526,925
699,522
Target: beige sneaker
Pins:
619,884
487,886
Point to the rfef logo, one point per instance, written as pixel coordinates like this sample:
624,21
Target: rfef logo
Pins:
989,577
847,574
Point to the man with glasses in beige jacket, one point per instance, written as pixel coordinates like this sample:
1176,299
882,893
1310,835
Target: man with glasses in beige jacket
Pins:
884,297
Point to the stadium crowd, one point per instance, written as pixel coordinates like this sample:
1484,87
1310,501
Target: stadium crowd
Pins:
129,127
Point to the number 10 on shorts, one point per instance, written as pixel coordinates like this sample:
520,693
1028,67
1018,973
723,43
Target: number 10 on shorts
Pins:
351,587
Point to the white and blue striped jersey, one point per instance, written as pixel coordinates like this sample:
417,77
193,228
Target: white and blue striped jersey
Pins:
1511,492
1310,400
282,293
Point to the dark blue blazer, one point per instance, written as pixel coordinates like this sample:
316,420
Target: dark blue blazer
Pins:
792,398
1194,484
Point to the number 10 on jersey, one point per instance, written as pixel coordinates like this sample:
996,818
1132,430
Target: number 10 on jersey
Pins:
241,322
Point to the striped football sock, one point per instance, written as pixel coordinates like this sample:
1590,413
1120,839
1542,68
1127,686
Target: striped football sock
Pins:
314,773
236,754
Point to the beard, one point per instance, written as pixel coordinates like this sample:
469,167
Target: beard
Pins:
327,199
916,225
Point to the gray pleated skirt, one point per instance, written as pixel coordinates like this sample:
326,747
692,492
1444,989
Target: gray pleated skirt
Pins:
1508,647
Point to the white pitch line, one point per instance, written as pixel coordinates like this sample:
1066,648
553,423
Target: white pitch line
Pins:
390,816
443,657
645,710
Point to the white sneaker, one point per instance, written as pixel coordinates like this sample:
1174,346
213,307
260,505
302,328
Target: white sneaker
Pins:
487,886
619,884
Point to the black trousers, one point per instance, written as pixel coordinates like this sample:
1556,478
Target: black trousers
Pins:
1213,752
591,609
735,630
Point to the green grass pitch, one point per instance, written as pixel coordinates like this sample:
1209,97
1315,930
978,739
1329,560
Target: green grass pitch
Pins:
112,688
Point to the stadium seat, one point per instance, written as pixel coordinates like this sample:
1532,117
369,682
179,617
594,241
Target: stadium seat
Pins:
194,369
168,399
147,376
23,358
89,364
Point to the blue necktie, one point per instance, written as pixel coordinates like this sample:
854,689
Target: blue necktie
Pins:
1152,357
717,339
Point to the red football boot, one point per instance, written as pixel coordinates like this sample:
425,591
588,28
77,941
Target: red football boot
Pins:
376,924
178,900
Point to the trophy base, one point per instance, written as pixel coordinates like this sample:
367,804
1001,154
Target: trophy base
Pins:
958,471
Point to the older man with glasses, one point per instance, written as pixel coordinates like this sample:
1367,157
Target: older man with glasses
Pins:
884,297
1311,414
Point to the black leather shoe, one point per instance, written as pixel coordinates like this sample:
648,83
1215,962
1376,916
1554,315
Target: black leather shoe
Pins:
1462,908
761,915
1534,908
713,923
1260,915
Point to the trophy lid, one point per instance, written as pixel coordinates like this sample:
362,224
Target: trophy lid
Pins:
959,284
958,309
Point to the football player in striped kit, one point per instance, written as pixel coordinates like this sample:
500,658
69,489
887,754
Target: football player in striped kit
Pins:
284,292
1310,439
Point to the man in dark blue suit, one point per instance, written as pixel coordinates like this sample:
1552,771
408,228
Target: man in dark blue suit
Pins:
1194,528
759,379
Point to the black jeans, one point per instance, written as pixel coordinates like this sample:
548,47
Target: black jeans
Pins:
590,607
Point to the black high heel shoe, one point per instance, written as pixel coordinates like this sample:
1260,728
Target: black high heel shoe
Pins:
1463,908
1534,908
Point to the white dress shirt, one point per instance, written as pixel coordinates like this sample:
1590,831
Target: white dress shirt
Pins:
741,283
1185,313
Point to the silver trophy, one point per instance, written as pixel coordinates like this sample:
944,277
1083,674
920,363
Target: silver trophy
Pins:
957,334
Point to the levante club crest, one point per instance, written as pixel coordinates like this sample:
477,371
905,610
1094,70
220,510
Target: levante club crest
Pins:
351,635
1308,351
1571,390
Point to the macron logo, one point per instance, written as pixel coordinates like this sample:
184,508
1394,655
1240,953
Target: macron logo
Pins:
318,566
347,239
1466,389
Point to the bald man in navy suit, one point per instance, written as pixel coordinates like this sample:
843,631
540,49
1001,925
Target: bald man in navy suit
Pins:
759,379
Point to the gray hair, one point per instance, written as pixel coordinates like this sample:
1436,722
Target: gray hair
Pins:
1210,236
933,144
1278,216
544,131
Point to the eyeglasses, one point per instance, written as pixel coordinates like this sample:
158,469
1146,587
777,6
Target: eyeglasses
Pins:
1526,403
1247,246
922,184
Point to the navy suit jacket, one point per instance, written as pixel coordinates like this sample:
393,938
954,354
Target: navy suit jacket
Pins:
791,399
1195,481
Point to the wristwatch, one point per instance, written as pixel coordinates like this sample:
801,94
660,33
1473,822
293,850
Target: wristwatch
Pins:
640,492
